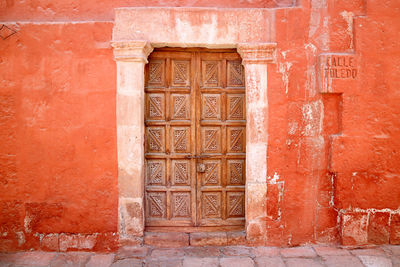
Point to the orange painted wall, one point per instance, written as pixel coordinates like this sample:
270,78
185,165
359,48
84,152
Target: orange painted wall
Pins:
58,154
336,154
333,159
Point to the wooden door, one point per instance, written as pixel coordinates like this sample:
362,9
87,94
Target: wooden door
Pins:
195,140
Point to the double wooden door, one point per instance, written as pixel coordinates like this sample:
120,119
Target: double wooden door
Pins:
195,137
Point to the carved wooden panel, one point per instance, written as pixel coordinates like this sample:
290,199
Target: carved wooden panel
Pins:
181,205
180,106
235,73
236,107
211,76
236,172
157,204
211,107
211,139
155,104
235,204
212,206
180,172
195,140
180,72
155,172
212,174
236,141
156,73
155,137
180,139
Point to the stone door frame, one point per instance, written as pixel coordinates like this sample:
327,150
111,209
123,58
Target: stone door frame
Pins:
131,54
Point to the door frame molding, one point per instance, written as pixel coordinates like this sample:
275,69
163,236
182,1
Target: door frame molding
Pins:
136,32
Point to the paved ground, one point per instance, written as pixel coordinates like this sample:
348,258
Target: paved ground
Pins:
213,256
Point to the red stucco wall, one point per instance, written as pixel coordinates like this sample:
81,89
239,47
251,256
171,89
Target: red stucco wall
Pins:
333,159
337,153
58,149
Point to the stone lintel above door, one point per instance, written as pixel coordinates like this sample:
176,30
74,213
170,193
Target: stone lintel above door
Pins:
195,27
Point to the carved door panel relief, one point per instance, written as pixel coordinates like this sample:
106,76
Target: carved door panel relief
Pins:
221,140
195,114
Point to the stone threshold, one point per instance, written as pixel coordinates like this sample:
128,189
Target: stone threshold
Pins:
195,239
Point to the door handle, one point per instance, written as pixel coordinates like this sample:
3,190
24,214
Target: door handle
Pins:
201,167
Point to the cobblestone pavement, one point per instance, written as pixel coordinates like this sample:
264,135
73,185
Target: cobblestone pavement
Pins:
307,256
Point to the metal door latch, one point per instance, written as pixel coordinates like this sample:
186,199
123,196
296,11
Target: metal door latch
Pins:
201,167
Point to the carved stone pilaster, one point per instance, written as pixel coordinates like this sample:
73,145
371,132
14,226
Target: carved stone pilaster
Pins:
132,50
131,57
258,53
255,58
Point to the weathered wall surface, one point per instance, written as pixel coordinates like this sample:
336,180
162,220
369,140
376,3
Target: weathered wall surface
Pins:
58,148
333,158
67,10
333,155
